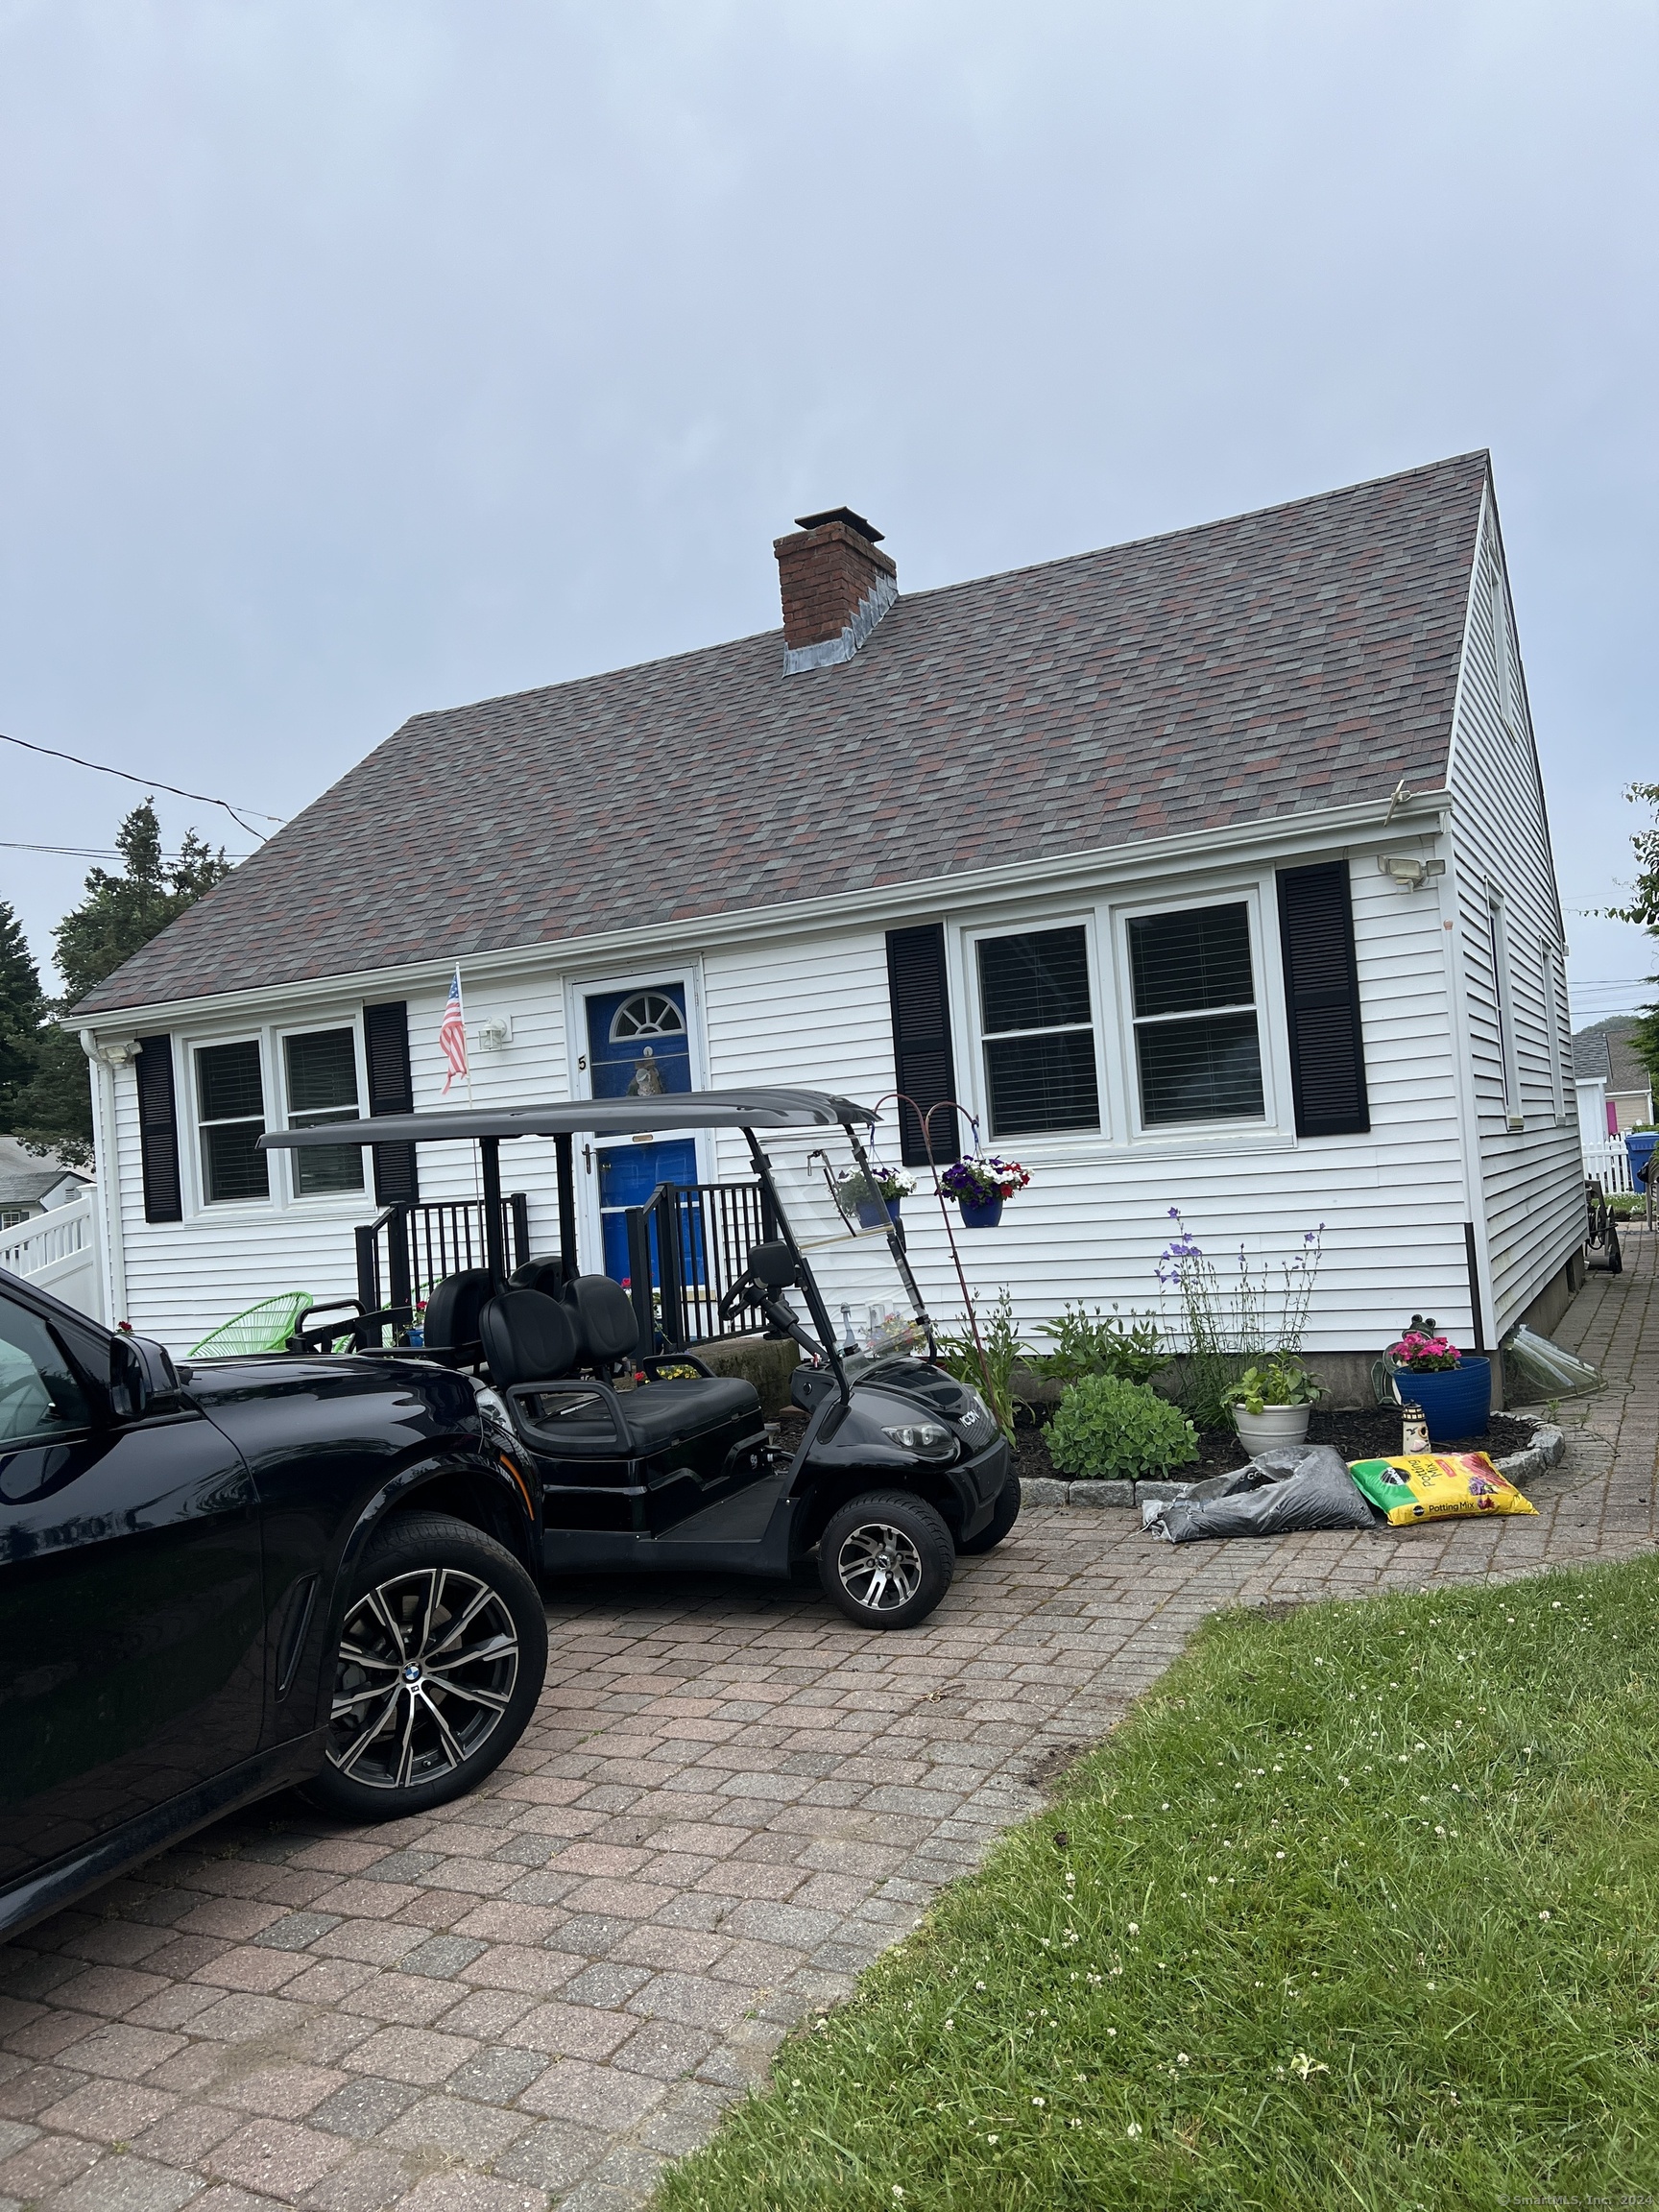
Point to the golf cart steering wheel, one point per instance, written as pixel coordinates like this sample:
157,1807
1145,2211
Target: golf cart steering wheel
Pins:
770,1269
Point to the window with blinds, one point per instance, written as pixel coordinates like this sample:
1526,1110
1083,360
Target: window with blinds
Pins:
321,1066
1197,1049
230,1119
1037,1032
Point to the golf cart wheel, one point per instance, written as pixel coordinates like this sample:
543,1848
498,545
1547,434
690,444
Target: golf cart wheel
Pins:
1003,1515
440,1662
886,1559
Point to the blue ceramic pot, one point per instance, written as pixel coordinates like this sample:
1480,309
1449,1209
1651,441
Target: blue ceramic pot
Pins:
1457,1402
872,1213
893,1206
981,1214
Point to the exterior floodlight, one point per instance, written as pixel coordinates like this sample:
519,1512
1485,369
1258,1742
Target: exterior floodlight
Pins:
1407,871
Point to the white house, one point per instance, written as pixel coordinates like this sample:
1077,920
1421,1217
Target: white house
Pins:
1208,871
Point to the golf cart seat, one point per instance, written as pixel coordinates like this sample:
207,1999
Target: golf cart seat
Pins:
536,1344
452,1314
545,1272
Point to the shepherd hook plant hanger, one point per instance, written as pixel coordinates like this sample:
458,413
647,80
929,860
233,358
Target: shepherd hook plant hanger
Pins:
940,1106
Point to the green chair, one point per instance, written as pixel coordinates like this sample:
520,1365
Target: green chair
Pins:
263,1328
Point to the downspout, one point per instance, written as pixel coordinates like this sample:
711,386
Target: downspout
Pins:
105,1155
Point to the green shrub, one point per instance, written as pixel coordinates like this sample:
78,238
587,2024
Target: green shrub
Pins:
1095,1342
1107,1427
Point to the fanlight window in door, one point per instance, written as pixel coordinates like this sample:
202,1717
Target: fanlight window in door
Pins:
646,1014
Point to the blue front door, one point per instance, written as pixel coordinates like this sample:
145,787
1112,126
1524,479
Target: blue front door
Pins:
637,1048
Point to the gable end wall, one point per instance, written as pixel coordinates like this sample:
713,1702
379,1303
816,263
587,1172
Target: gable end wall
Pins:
1530,1175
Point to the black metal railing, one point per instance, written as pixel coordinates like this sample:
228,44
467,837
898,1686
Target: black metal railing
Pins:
687,1245
410,1248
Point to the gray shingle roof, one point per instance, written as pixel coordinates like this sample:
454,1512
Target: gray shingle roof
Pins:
1605,1049
1591,1059
1302,657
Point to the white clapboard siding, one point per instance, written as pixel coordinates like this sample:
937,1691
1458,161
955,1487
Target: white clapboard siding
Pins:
183,1278
814,1010
1095,1219
1532,1177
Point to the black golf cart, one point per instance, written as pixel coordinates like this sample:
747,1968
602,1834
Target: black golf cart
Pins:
642,1459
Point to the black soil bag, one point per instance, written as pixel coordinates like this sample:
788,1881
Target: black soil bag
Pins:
1296,1487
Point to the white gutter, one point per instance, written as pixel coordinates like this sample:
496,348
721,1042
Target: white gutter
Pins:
1275,836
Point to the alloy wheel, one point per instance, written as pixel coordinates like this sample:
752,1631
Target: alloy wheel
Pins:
426,1666
879,1565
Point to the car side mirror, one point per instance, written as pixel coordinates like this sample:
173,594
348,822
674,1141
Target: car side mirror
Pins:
772,1266
142,1379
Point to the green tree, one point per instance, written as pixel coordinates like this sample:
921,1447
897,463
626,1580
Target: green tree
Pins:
120,913
1643,908
22,1012
53,1111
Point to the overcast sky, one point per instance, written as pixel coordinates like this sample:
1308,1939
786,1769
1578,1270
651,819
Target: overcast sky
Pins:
361,356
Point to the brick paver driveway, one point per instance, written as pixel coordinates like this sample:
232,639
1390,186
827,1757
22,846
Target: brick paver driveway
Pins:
730,1802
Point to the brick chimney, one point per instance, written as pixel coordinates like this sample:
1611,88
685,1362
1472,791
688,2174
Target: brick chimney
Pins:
836,587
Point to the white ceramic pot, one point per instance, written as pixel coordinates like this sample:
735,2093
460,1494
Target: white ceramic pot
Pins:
1273,1426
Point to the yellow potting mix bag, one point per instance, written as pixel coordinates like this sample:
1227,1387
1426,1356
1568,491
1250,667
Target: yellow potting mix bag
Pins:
1437,1487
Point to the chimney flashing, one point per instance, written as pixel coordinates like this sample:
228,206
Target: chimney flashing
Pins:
835,586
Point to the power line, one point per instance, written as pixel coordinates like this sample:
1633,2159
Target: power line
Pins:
149,782
89,851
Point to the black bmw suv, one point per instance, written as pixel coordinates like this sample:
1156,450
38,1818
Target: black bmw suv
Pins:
223,1578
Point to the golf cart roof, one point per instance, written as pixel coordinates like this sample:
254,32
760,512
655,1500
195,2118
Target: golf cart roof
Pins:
755,1109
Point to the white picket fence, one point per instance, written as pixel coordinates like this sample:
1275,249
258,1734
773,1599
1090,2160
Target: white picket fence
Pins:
58,1251
1609,1163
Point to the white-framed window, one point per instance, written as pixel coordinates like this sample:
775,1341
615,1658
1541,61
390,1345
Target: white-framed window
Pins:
1192,988
321,1084
230,1092
1508,1064
1037,1043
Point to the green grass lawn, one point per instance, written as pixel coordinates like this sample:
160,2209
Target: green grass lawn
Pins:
1359,1908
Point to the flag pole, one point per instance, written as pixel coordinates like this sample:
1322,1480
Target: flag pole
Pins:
477,1170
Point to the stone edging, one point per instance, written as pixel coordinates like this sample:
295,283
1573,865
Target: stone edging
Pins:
1519,1467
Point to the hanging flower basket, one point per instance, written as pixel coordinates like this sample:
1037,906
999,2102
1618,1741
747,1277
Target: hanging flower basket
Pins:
981,1186
873,1200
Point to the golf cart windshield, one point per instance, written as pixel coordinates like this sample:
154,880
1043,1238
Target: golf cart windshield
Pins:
844,1233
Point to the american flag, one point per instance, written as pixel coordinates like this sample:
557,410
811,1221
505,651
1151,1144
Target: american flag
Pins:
452,1035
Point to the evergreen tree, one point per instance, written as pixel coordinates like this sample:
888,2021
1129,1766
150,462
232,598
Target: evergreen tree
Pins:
120,913
22,1012
52,1111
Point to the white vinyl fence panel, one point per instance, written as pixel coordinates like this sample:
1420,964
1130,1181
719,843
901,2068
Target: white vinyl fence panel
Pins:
1610,1165
58,1251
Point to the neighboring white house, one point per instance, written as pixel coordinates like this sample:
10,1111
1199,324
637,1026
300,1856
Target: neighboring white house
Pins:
1210,871
1615,1096
1605,1057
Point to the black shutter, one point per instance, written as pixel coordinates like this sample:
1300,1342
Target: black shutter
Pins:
921,1002
1322,1000
391,1090
158,1131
